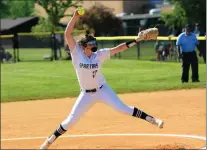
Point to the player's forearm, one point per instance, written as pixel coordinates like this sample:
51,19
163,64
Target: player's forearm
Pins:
71,25
122,47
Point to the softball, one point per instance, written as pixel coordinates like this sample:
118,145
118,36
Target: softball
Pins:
81,11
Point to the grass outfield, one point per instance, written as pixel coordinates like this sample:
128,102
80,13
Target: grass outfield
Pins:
40,80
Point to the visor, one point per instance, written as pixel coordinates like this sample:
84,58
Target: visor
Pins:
92,43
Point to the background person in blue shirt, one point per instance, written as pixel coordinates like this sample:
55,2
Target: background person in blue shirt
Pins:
186,45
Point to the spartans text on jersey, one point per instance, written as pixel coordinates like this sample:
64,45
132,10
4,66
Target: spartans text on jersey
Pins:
88,66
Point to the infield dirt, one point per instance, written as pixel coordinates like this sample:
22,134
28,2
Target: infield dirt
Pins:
183,111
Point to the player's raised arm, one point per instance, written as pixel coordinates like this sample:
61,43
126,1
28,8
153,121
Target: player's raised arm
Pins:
149,34
68,32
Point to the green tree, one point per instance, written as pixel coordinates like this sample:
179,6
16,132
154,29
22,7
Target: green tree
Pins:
186,11
101,20
20,8
176,18
195,11
44,25
4,5
55,10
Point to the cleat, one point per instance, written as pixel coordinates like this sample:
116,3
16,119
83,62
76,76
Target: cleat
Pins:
45,145
158,122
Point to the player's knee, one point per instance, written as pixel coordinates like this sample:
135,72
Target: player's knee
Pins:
125,110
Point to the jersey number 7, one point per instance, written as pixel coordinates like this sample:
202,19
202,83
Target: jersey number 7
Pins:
94,73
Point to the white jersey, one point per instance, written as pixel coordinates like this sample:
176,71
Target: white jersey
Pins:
88,70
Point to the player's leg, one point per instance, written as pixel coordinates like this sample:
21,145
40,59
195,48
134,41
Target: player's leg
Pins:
82,105
109,97
185,67
194,67
204,54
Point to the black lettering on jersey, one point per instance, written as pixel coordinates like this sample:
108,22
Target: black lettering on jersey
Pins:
88,66
81,65
91,66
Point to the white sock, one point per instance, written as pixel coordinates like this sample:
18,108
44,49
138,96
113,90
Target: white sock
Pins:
51,139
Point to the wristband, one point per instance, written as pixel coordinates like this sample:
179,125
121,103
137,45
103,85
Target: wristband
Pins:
131,43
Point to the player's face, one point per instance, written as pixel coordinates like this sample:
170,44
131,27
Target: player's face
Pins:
92,46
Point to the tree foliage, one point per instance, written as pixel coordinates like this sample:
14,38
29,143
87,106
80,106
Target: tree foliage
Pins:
4,5
101,20
16,8
195,10
44,25
176,18
21,8
186,11
55,10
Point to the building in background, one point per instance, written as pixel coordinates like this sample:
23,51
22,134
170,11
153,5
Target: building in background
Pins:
134,14
22,24
130,7
120,8
148,16
132,23
136,7
14,26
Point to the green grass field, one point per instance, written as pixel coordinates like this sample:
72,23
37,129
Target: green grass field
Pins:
46,79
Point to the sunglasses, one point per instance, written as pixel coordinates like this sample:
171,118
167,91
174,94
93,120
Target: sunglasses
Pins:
92,43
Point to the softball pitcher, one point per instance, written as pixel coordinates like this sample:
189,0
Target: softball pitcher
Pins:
87,62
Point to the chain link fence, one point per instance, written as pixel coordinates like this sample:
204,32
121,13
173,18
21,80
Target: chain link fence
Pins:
41,47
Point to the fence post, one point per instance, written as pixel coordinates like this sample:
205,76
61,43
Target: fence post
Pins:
51,46
14,53
138,45
115,42
102,43
138,50
118,42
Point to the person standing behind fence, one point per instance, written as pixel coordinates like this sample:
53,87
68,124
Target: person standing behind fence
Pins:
54,46
15,42
202,43
58,44
186,44
159,48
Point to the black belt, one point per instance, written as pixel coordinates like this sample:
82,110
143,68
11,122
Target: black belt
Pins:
189,52
93,90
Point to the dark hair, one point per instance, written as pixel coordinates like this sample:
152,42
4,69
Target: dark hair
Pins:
86,39
197,24
188,26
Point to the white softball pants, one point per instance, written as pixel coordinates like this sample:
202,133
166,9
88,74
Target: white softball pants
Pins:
86,100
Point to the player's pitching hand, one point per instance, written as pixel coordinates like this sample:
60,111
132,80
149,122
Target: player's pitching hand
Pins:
75,14
148,34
